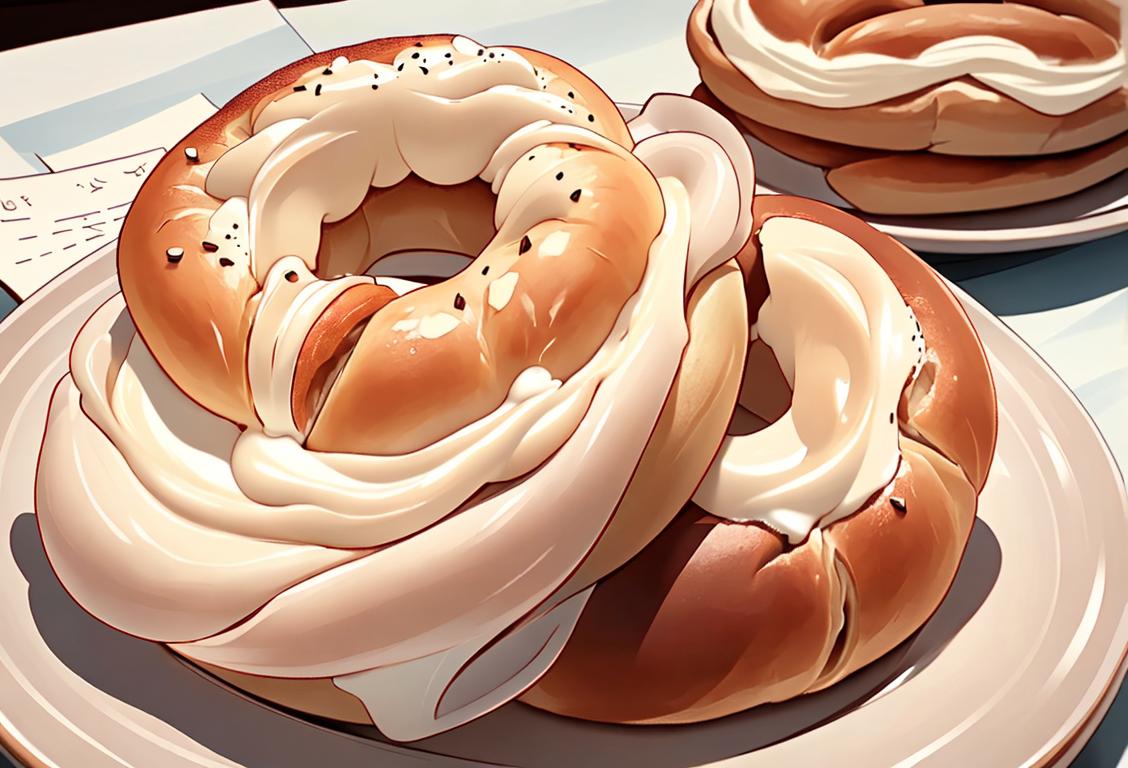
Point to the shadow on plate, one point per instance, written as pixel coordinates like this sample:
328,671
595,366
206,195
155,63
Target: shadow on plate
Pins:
145,676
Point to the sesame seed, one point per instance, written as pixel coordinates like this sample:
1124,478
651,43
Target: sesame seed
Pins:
299,87
459,302
415,55
897,503
424,69
210,247
317,90
174,255
559,175
327,71
226,262
292,277
486,269
525,245
575,196
375,87
591,118
191,154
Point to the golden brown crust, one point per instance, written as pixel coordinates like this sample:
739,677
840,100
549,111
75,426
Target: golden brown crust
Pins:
570,279
195,314
899,183
928,183
959,117
769,623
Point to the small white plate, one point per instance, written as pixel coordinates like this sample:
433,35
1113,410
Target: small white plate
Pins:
1016,668
1093,213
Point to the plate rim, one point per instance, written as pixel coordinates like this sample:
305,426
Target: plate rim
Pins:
101,267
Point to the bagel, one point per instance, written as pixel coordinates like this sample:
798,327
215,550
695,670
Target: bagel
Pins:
775,618
936,120
397,395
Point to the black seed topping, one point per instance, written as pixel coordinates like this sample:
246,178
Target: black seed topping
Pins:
415,55
400,67
481,51
459,302
897,503
531,156
174,255
450,63
235,225
486,270
448,55
491,54
591,118
559,175
327,71
210,247
226,262
299,87
418,44
227,237
575,196
375,87
525,245
424,70
317,90
890,418
571,95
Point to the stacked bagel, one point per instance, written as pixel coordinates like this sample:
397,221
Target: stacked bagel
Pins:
912,107
615,398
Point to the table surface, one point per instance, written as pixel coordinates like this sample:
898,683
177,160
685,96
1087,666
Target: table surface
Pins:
1070,304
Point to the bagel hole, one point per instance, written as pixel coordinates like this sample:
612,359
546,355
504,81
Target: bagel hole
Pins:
765,394
413,230
420,266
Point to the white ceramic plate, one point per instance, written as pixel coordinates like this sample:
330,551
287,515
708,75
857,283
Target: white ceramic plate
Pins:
1015,668
1093,213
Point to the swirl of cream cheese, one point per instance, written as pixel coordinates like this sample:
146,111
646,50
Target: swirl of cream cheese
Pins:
791,70
847,364
174,499
392,575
